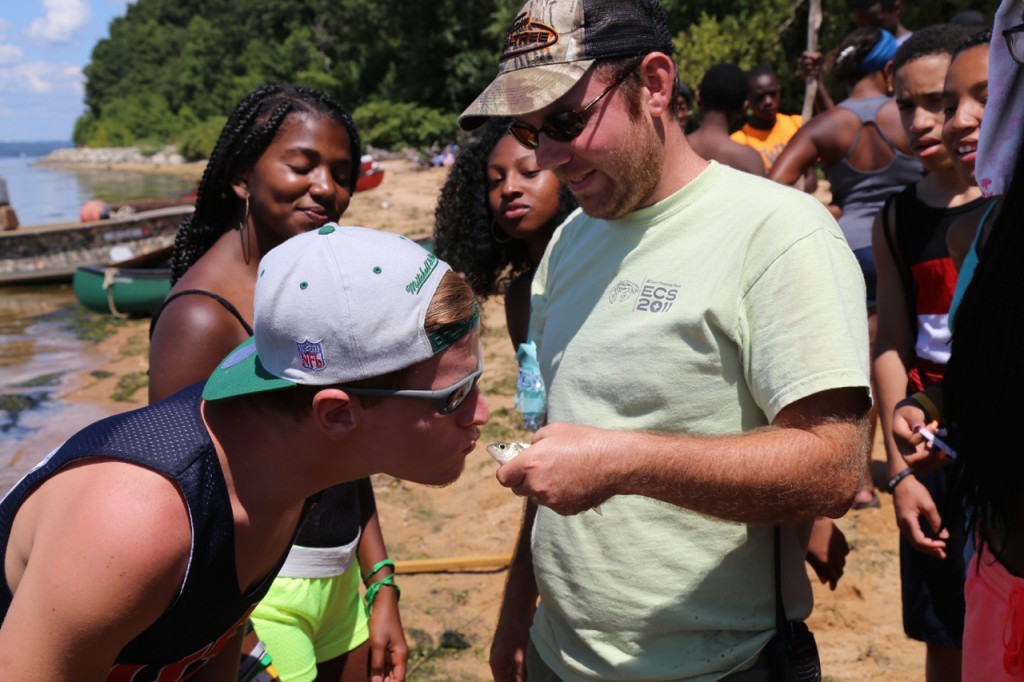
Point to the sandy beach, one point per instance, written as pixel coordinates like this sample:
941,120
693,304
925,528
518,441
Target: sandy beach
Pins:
449,617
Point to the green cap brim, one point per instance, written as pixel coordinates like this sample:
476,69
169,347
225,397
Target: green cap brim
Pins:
242,373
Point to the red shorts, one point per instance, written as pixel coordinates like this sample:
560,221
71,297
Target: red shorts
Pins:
994,625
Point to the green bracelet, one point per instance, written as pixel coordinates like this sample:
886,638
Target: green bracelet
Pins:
376,568
374,588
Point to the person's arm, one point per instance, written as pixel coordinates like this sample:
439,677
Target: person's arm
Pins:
87,577
891,360
512,634
808,463
389,653
194,333
826,551
799,156
919,409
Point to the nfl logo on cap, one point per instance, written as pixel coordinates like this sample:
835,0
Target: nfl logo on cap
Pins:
311,355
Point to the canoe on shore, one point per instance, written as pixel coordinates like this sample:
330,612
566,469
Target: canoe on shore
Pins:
121,292
52,253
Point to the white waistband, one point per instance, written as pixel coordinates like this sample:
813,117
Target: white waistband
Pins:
319,562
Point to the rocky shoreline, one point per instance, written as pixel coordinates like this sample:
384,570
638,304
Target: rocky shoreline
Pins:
166,161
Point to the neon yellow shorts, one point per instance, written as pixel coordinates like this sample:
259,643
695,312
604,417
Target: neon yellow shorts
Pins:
305,621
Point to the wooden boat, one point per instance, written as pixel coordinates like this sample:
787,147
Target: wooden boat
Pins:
52,253
121,291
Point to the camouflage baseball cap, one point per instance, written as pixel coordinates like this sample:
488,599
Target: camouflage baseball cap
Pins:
552,43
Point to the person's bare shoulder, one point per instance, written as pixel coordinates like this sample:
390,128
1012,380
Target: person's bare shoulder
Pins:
195,331
832,132
97,553
888,118
193,334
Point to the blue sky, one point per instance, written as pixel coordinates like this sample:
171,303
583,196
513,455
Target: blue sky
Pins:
44,44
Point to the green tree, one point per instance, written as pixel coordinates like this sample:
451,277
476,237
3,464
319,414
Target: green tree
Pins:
170,67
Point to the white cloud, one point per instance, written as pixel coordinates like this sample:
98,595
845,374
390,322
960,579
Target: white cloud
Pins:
64,18
41,78
9,54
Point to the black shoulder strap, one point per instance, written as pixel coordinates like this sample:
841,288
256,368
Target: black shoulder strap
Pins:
901,266
220,299
781,621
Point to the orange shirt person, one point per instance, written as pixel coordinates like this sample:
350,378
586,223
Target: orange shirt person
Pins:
766,130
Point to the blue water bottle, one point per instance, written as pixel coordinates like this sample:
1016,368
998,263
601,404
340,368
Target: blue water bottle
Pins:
530,399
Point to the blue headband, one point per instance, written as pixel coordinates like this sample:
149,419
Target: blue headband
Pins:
880,55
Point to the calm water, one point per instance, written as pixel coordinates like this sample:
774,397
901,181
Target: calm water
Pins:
40,360
44,194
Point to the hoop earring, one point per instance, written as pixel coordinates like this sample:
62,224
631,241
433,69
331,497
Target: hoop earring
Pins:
496,233
243,229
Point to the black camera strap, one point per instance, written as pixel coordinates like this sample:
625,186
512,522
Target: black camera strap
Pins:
781,622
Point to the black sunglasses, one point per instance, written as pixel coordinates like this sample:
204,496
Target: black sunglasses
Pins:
560,127
1015,42
446,400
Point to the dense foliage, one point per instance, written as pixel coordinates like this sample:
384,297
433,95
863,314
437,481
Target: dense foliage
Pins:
171,70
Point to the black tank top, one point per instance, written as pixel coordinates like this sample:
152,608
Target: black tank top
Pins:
170,438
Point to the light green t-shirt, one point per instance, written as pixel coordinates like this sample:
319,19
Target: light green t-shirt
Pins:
706,313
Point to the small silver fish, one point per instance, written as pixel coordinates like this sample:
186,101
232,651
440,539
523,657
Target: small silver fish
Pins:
506,451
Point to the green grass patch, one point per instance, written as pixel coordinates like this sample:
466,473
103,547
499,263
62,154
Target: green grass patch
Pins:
424,655
51,379
94,327
16,403
136,345
127,386
19,402
101,374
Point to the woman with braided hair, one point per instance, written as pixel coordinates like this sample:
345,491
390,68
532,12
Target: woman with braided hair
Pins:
285,163
864,150
496,214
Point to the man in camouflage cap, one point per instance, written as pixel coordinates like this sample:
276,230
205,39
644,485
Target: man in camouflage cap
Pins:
701,335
